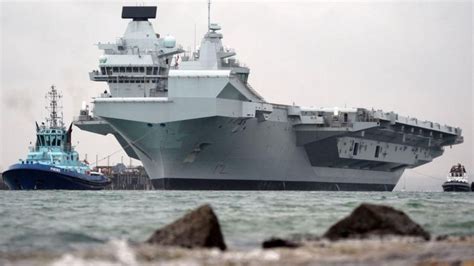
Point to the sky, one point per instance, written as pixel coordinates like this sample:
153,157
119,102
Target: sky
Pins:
411,57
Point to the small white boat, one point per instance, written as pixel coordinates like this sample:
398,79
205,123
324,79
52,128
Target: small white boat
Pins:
457,180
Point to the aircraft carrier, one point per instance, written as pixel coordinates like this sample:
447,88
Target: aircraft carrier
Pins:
195,122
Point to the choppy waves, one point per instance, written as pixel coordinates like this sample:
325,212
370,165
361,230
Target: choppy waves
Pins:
62,222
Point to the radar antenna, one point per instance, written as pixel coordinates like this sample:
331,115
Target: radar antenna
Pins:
55,119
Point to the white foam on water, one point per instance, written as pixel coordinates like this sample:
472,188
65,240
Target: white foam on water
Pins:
257,254
122,255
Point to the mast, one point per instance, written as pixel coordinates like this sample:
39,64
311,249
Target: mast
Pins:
208,15
194,47
55,119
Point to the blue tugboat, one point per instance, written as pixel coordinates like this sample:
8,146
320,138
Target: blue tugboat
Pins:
52,163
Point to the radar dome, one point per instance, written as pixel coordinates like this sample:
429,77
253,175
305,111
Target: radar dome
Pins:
102,59
169,42
214,27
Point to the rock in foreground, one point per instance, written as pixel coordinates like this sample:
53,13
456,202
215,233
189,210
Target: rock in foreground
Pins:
197,229
279,243
375,220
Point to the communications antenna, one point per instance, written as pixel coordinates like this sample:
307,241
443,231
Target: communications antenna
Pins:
208,15
55,118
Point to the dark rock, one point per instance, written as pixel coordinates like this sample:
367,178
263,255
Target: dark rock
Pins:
375,220
441,237
197,229
304,237
279,243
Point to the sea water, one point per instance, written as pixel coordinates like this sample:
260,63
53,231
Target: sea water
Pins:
63,221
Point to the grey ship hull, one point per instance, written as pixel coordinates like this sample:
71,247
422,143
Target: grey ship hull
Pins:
287,149
244,154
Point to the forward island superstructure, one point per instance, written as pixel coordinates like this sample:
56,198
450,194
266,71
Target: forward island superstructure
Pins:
195,122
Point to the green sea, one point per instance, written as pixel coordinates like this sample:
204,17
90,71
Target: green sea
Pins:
65,221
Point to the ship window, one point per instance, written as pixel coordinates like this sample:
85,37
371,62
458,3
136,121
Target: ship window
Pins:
377,151
109,70
102,70
129,69
148,70
155,70
120,81
132,81
356,148
41,137
122,69
135,69
115,69
142,69
59,142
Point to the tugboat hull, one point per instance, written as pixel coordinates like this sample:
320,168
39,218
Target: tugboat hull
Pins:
456,187
44,177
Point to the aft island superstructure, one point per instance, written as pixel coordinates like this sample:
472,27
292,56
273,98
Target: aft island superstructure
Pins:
195,122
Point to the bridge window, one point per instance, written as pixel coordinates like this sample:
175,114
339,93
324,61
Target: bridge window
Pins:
135,69
142,69
155,71
356,148
129,69
122,69
102,70
115,69
148,70
377,151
